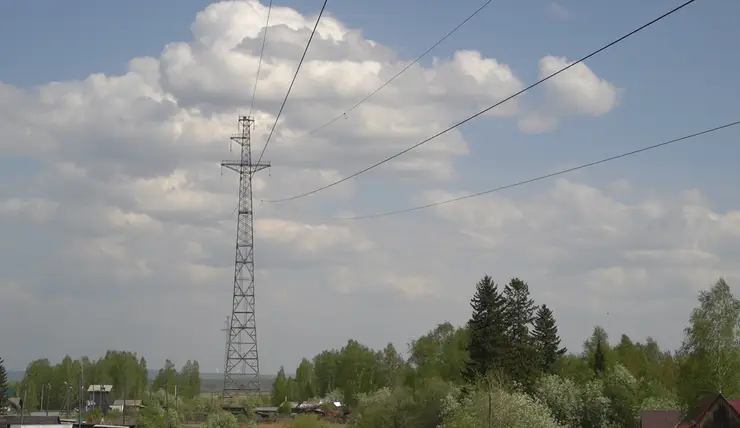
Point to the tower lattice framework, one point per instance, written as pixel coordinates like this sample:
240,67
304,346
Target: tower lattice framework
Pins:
242,373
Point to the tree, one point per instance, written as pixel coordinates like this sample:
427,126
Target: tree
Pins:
3,385
189,380
489,343
520,313
304,378
167,378
280,388
710,350
597,352
546,340
599,361
442,353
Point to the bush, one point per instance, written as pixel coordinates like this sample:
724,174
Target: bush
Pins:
511,410
402,407
221,420
285,409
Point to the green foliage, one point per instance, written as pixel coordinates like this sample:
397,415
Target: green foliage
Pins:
546,340
441,353
499,408
124,370
95,415
221,419
711,356
305,383
488,348
598,362
285,408
402,406
308,421
3,386
154,416
281,391
505,368
522,358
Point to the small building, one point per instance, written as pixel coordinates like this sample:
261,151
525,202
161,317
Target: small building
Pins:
99,396
715,411
126,405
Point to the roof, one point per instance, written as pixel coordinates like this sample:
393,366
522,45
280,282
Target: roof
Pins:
100,388
127,403
659,418
29,420
695,414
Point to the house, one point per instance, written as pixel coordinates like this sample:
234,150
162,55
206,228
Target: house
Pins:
99,394
715,411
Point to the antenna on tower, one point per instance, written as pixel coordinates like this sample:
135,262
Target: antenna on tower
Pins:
242,373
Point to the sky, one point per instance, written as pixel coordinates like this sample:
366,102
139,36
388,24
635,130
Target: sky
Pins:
117,224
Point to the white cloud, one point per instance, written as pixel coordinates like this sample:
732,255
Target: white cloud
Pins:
138,224
576,91
558,10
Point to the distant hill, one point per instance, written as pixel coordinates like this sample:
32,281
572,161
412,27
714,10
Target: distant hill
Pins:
209,382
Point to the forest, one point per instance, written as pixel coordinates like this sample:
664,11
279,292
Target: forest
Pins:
59,383
504,367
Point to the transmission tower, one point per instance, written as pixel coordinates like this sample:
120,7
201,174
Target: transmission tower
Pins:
242,373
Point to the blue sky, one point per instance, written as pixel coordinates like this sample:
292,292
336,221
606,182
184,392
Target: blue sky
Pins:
677,74
677,77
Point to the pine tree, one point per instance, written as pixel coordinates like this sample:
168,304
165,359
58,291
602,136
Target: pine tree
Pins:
3,386
546,339
520,309
488,341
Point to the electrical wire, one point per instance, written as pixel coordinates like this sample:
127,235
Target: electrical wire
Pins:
389,81
362,171
541,177
262,53
293,81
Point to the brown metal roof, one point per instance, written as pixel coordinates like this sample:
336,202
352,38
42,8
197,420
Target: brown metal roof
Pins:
659,418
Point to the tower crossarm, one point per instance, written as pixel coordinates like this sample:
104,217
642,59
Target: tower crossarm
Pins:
244,167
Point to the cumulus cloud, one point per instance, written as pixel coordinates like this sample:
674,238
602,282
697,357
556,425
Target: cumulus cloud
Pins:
126,224
576,91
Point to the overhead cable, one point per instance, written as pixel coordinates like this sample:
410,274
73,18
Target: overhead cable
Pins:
362,171
541,177
262,53
292,81
395,76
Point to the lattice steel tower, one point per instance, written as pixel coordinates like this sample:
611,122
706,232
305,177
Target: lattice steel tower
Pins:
242,373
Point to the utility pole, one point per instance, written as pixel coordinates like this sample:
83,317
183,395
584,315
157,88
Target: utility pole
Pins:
241,374
81,394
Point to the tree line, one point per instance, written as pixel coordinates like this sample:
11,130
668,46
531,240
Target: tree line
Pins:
506,367
59,384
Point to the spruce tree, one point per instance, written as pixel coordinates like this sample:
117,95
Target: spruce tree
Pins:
599,361
488,344
3,386
546,339
520,309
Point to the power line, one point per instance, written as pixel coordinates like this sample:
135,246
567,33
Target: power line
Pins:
541,177
262,53
362,171
293,81
389,81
